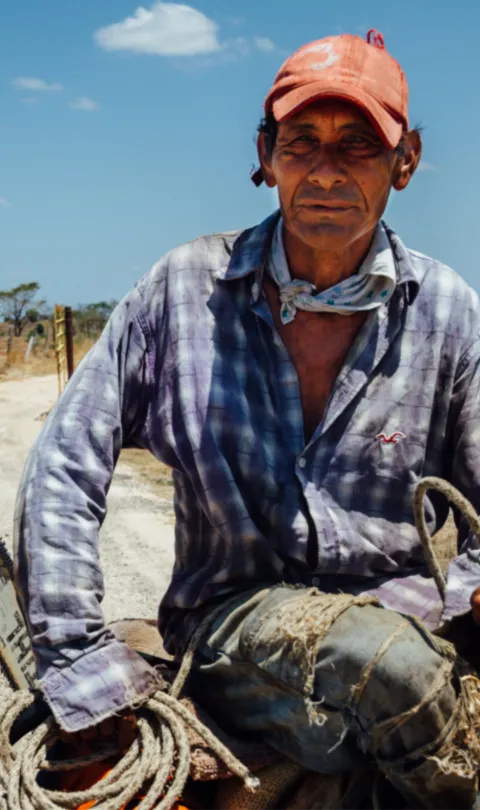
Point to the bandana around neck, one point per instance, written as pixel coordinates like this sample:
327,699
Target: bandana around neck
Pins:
369,288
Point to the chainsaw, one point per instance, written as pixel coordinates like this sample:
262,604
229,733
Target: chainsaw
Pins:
16,655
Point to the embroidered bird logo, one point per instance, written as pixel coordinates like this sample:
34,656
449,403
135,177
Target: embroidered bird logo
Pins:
393,439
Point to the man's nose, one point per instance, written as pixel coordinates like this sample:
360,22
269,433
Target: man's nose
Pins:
326,172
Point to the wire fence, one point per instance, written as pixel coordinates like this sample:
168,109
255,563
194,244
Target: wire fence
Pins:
49,346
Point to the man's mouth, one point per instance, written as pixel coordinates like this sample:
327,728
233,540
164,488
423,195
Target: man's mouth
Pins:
333,207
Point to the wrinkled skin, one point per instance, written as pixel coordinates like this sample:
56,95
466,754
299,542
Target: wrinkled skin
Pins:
334,176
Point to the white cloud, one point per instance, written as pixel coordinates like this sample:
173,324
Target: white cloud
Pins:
4,203
174,29
166,29
423,166
264,44
240,45
36,85
85,103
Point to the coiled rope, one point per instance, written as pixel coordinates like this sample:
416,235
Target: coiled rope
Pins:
158,761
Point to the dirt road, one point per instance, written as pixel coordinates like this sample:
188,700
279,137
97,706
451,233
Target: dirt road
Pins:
136,541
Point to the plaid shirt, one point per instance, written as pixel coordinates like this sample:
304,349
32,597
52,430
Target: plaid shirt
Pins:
191,367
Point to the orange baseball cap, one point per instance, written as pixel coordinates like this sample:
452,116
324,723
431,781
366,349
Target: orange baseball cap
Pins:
349,67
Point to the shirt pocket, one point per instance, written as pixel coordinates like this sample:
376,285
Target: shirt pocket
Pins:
384,438
393,454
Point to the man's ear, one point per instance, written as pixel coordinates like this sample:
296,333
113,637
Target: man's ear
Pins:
408,159
265,158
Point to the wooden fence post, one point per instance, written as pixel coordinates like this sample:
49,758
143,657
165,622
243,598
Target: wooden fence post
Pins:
9,343
32,342
69,341
63,335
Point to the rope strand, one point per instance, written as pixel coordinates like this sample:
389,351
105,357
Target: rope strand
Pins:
460,502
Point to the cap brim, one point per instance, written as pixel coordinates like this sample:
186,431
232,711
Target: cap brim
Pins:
389,128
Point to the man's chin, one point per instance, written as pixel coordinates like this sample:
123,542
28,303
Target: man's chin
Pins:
330,235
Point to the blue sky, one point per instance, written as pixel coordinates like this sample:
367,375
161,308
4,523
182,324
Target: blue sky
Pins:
112,155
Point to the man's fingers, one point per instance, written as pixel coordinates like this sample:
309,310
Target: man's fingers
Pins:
88,734
475,604
107,728
127,729
114,731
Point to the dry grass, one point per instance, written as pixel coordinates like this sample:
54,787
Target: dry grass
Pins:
40,362
157,475
445,543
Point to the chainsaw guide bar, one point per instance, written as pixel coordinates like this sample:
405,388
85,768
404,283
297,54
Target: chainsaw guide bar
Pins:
16,656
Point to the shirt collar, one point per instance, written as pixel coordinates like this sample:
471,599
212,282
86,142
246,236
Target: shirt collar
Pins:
251,249
407,273
379,260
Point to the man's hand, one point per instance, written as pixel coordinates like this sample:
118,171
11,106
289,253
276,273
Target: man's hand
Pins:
119,732
475,603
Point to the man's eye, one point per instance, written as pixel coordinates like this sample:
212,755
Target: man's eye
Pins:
302,142
356,140
358,144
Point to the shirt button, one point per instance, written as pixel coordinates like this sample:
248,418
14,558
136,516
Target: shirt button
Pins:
302,462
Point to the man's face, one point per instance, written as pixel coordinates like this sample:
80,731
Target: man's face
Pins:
333,174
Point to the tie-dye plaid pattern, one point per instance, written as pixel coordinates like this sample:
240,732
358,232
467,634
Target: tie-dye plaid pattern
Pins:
191,368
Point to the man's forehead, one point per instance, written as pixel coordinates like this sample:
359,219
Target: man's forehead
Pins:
333,112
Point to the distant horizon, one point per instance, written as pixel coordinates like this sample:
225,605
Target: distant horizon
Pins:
129,131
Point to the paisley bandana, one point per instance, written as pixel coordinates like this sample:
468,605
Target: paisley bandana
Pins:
370,288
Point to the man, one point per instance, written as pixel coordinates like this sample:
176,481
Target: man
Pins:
299,377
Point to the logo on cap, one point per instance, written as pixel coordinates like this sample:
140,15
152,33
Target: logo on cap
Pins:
326,48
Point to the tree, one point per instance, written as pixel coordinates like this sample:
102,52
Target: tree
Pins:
15,303
91,318
32,315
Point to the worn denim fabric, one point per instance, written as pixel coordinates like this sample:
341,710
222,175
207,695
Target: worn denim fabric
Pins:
251,674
